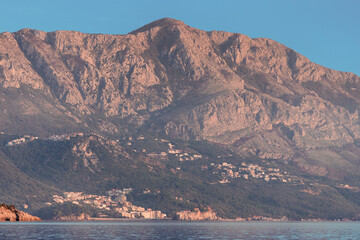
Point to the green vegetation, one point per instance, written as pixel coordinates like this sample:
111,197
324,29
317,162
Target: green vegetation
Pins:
32,172
66,209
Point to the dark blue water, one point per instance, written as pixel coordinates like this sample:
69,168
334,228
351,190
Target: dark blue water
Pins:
179,230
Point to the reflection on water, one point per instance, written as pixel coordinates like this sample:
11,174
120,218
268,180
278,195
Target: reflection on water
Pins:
179,230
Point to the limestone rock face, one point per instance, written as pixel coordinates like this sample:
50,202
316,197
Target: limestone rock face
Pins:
255,95
9,213
15,68
73,217
23,216
196,215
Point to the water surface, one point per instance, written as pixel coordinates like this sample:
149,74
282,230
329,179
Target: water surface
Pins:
179,230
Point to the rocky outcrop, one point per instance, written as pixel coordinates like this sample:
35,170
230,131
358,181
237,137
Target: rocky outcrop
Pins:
73,217
9,213
255,95
196,215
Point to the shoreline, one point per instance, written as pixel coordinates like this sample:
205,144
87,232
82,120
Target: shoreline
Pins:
94,219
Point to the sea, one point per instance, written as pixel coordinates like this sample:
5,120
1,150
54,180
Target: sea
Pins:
178,230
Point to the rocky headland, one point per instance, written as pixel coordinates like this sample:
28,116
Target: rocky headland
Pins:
197,215
10,213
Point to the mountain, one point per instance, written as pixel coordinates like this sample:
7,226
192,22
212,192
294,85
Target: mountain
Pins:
255,98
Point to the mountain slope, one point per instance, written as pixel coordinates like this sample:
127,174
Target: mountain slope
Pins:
200,175
255,94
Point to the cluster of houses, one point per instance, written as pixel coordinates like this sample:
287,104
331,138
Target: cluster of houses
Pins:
65,136
180,154
247,171
28,138
115,200
171,150
227,171
24,139
56,137
347,186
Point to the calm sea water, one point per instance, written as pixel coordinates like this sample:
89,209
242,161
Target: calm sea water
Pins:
179,230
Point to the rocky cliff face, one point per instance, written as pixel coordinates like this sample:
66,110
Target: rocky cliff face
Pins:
254,95
9,213
73,217
197,215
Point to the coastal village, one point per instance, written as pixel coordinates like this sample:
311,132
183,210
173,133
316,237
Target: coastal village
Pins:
115,200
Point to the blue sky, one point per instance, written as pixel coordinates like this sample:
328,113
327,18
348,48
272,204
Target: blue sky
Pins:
325,31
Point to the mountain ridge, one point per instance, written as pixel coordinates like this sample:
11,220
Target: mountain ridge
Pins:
95,80
255,97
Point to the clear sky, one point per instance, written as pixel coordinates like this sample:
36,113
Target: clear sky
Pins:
325,31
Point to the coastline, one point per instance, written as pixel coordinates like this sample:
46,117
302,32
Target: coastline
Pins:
94,219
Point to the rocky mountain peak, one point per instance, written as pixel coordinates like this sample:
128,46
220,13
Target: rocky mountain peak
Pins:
161,23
